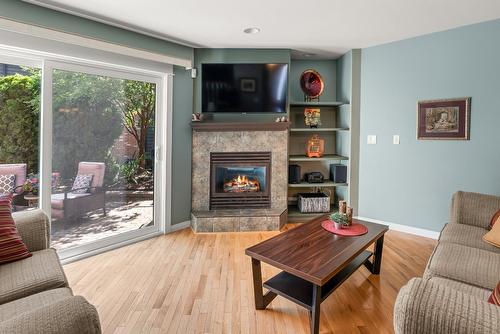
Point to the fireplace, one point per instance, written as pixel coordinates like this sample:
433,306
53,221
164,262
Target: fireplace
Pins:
240,180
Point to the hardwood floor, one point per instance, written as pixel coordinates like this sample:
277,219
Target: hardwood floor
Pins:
202,283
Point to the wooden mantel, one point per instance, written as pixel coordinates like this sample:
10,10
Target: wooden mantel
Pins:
239,126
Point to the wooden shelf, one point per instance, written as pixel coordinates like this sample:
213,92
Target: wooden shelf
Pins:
299,290
326,157
317,129
327,183
317,104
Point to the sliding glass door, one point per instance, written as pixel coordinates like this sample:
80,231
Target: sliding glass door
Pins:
104,175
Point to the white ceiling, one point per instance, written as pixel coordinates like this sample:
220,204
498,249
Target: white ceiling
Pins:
327,28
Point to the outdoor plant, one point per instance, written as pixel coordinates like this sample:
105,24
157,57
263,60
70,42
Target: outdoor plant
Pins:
129,170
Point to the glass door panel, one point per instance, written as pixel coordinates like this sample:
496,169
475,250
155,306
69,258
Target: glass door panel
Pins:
19,134
103,142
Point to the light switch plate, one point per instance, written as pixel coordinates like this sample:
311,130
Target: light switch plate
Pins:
372,139
395,139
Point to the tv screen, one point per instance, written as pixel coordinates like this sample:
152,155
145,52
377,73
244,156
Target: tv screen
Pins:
244,88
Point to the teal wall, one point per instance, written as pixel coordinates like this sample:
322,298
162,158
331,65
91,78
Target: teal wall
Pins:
328,71
181,148
412,183
28,13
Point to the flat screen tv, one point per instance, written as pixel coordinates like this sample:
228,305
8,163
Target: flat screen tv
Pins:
244,88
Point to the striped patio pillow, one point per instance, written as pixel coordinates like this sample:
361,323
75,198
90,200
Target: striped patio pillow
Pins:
495,296
12,248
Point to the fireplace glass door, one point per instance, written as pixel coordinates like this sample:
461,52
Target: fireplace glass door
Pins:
240,180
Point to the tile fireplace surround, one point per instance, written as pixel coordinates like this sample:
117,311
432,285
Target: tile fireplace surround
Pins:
238,137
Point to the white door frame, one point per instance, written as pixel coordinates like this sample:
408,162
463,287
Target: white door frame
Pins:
160,175
163,139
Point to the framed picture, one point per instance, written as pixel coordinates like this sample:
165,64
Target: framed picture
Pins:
444,119
248,85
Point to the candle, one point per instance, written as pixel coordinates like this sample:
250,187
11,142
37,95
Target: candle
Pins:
342,206
349,215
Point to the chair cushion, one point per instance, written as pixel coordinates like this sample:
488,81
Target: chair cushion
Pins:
12,247
466,235
82,182
465,264
57,200
469,289
493,237
19,170
27,304
32,275
95,168
7,183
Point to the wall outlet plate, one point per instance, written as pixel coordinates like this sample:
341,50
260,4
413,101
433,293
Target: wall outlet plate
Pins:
395,139
372,139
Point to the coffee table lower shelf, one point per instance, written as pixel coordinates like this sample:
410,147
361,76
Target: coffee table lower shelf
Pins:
301,291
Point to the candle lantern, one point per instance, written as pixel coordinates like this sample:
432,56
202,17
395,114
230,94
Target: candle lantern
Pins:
315,147
342,206
349,216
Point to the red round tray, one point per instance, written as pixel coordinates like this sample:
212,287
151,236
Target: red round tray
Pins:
353,230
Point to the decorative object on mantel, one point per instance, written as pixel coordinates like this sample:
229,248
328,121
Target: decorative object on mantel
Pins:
314,202
312,117
444,119
196,117
351,231
315,147
312,85
281,119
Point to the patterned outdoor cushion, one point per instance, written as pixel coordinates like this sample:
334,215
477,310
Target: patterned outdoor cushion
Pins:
7,183
495,296
12,247
82,183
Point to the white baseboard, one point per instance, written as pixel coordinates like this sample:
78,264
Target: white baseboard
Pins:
404,228
180,226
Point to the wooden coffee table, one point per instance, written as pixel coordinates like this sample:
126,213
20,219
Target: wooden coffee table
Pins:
314,262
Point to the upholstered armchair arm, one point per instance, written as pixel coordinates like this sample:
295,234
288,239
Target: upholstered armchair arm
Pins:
70,315
424,306
473,208
33,227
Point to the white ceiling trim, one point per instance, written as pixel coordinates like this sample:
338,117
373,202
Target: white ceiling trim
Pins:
58,36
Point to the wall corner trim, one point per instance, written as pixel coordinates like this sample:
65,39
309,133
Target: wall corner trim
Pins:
180,226
404,228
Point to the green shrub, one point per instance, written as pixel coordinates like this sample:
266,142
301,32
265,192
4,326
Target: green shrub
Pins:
19,120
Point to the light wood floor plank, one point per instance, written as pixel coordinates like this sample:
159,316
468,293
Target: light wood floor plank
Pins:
202,283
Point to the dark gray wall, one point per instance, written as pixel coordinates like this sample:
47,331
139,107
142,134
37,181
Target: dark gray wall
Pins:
412,183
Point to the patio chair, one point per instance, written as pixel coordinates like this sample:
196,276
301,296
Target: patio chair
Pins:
19,172
71,204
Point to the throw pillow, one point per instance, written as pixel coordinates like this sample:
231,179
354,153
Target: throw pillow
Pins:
495,296
7,183
493,236
12,247
496,218
82,182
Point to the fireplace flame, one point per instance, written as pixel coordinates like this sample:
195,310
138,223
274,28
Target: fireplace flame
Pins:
242,183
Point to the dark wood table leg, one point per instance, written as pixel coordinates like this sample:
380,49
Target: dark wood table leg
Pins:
374,266
261,300
315,310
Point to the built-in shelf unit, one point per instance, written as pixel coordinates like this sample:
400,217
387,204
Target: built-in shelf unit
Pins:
336,129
